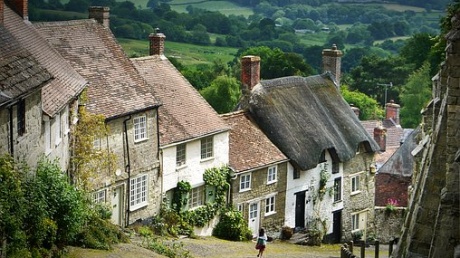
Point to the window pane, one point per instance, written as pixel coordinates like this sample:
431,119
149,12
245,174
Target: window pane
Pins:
138,192
206,147
140,128
180,155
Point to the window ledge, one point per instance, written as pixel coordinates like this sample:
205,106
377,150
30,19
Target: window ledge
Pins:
355,192
270,213
138,206
178,168
207,159
58,141
272,182
245,190
141,140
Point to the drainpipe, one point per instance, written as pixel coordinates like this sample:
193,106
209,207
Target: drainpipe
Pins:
127,169
10,109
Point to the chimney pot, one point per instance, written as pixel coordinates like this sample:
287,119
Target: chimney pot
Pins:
157,43
101,14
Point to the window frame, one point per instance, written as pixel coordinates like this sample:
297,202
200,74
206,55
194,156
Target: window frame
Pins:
21,117
48,134
99,197
207,147
355,222
246,183
181,154
337,189
140,128
296,173
270,203
355,184
138,192
272,174
197,197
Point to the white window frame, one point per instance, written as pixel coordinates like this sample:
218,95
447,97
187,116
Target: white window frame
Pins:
207,147
48,146
355,222
355,184
140,128
272,174
196,197
338,189
270,205
181,154
240,207
65,121
245,182
138,192
99,196
58,128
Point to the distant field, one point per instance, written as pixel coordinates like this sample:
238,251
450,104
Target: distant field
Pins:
187,54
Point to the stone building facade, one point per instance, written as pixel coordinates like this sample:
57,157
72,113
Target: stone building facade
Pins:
432,226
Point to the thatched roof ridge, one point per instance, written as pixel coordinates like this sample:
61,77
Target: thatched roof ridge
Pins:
305,116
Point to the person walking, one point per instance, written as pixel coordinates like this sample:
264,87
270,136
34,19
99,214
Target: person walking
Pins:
261,242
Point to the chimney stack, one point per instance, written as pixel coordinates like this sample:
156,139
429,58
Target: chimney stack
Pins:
101,14
250,72
392,111
380,136
2,9
157,43
332,62
20,7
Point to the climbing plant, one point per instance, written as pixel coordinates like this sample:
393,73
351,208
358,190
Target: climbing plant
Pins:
88,162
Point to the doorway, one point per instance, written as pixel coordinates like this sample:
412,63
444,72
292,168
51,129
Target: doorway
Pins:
254,218
300,209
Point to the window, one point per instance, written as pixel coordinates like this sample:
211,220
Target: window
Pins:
140,128
206,147
196,197
138,191
322,158
245,182
335,167
270,205
99,197
337,189
296,173
47,136
65,120
57,127
355,184
21,116
271,175
180,155
240,207
355,221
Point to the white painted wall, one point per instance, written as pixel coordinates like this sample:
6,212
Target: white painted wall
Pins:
310,180
194,167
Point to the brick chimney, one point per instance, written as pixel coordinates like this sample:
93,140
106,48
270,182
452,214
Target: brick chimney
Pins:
157,43
101,14
20,7
332,62
250,73
2,9
392,111
380,136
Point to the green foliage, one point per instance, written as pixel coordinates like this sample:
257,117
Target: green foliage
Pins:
368,107
223,94
414,96
180,195
232,226
171,249
42,212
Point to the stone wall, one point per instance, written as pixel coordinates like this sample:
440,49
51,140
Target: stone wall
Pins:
431,227
387,225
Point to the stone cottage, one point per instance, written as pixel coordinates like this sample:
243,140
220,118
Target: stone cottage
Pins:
131,186
330,184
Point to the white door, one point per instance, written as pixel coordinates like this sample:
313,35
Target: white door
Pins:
116,205
363,223
254,218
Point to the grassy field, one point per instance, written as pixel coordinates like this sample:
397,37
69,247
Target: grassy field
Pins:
187,54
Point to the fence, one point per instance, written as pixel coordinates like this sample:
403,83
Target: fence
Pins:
346,250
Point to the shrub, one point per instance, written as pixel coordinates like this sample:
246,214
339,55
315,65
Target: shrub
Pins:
232,226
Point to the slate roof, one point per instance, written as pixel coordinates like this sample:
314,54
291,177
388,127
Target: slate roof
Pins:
20,72
249,146
185,114
303,116
67,83
115,87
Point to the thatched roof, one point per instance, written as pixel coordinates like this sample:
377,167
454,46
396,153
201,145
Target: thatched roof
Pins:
305,116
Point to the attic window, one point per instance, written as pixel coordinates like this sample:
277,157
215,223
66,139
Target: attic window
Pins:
322,158
296,173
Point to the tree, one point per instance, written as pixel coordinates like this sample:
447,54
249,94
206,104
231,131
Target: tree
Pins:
223,94
414,96
417,49
368,107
